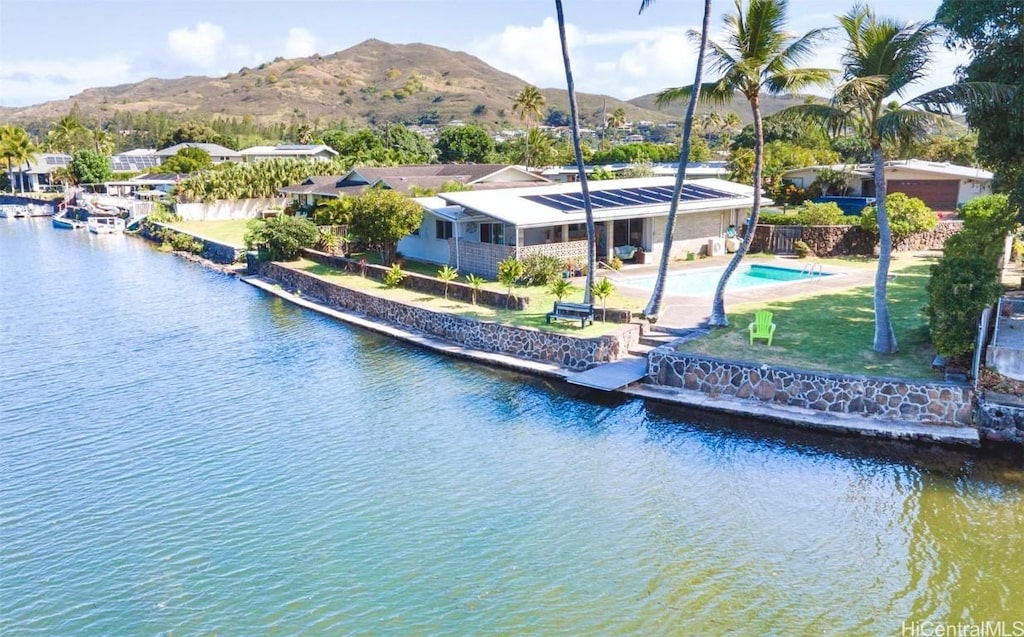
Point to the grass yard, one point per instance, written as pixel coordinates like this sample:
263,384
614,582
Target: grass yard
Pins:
833,332
534,316
230,231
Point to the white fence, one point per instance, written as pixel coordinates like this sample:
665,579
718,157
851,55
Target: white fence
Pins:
222,209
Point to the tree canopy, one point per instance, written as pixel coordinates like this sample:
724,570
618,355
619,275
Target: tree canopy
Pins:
187,160
461,144
381,217
90,167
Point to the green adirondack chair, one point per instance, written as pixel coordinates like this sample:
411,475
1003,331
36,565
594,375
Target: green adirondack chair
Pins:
762,327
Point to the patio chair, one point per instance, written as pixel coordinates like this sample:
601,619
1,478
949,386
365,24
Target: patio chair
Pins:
626,252
762,327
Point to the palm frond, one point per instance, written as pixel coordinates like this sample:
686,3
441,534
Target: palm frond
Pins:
907,124
710,93
795,80
949,99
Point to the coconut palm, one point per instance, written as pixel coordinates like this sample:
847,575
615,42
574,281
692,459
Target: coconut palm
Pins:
68,135
103,141
758,56
578,151
883,57
529,103
616,120
17,148
653,308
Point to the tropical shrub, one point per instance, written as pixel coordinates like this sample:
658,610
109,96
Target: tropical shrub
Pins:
476,283
561,288
907,216
447,274
802,250
280,238
777,219
821,214
381,217
602,290
541,269
181,242
510,270
393,277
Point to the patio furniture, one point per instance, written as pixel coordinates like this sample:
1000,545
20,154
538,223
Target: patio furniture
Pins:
762,327
625,252
582,312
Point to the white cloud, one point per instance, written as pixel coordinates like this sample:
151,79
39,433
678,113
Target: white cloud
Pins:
33,81
301,43
199,46
532,53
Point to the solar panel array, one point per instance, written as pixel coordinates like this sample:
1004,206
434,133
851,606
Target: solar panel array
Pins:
295,147
134,163
627,197
57,160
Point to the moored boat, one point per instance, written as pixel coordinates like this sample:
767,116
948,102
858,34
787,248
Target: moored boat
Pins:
67,223
105,225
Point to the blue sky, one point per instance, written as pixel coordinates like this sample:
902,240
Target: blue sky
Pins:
52,49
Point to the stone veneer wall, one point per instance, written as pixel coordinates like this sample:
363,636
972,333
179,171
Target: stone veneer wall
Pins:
214,251
838,241
920,401
567,351
1001,418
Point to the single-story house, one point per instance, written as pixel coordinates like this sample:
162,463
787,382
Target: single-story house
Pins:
149,186
314,152
474,230
405,178
34,175
940,185
219,154
565,174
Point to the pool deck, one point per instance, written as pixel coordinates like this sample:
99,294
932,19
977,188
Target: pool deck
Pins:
689,312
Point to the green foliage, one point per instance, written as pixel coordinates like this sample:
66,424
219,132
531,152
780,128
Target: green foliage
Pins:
332,212
280,238
802,250
90,167
181,242
960,288
461,144
774,219
616,263
510,270
447,274
476,283
821,214
326,241
561,288
602,290
187,160
907,216
832,182
393,277
992,31
234,181
966,280
541,269
195,133
635,152
380,218
162,214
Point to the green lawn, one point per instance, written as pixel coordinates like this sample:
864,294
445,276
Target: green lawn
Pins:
833,332
230,232
534,316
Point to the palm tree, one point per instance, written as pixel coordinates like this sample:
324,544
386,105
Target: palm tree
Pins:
103,141
653,308
17,148
529,103
578,151
883,57
67,135
616,120
758,56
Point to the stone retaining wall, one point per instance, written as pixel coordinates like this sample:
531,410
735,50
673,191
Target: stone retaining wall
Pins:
839,241
916,401
214,251
1001,418
561,349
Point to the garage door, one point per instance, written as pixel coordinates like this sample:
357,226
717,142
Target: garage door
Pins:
939,194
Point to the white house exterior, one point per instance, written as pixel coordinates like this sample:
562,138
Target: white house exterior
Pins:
313,152
219,154
942,186
474,230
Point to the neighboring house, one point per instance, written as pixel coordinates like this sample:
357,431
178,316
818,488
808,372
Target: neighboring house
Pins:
151,185
314,152
217,153
940,185
474,230
404,178
567,174
135,161
34,175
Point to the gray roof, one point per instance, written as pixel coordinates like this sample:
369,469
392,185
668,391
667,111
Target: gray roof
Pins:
403,178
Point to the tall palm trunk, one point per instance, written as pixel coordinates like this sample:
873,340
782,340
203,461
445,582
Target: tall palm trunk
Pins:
580,167
10,174
885,337
653,308
718,317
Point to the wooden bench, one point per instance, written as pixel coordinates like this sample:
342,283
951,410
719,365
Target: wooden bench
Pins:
582,312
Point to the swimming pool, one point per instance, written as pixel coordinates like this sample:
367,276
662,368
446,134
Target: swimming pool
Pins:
704,282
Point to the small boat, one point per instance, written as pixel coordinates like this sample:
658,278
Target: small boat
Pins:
67,223
105,225
12,211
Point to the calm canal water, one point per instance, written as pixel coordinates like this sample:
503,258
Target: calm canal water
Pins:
181,454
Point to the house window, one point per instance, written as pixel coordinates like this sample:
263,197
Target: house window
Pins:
443,229
492,233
